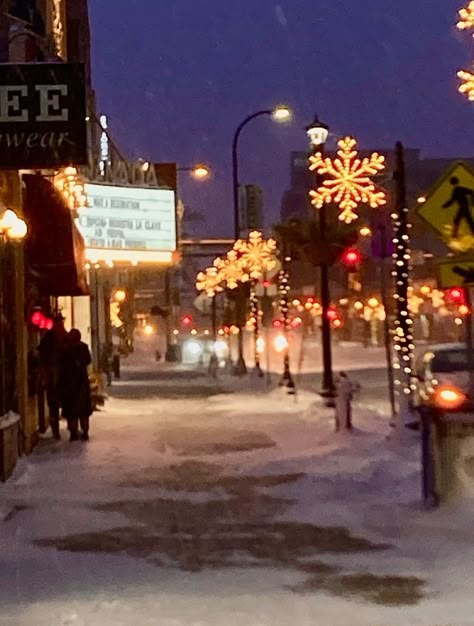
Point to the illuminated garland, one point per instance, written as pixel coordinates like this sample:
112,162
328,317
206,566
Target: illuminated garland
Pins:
403,331
347,180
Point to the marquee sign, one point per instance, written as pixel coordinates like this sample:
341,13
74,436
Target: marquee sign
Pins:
42,116
134,224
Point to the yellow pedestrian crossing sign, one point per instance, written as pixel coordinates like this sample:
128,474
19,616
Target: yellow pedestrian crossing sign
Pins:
457,272
449,207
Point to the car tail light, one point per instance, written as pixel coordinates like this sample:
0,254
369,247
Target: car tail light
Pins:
449,397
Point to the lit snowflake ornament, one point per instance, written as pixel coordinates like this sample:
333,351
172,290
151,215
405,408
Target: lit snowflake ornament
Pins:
467,85
232,270
466,17
257,255
347,180
209,281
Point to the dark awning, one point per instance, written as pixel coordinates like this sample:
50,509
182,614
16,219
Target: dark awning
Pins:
54,247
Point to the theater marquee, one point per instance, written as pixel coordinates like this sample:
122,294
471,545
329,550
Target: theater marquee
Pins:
42,115
129,224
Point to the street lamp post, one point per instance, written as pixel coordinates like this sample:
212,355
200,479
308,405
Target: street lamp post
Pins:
279,114
199,172
317,133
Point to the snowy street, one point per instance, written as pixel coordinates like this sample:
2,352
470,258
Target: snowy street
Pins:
202,502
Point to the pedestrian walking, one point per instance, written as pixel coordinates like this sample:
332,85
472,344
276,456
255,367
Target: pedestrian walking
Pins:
75,387
50,352
345,389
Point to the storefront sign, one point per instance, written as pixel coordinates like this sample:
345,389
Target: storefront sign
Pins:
42,116
129,223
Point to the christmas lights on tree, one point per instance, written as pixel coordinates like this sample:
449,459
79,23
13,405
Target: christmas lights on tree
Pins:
347,180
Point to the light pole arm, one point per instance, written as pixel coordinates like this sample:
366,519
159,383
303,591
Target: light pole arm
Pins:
235,166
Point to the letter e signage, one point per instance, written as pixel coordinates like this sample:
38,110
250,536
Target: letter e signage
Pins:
42,115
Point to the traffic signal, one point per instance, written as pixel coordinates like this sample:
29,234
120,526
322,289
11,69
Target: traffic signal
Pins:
456,295
351,257
186,320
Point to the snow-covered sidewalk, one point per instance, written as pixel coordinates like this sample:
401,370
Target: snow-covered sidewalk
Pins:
199,502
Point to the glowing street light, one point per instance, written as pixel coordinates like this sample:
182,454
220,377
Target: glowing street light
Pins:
281,113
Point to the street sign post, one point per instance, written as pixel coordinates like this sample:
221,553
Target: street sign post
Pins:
447,207
459,272
456,272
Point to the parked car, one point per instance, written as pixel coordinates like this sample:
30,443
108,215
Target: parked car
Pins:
442,378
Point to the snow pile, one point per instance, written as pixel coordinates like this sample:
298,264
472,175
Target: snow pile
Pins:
134,526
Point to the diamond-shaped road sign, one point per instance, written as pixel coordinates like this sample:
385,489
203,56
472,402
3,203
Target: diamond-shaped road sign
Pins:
448,207
457,272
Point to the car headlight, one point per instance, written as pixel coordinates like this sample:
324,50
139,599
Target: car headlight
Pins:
193,347
280,343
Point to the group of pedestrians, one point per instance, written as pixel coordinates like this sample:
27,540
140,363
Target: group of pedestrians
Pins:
64,361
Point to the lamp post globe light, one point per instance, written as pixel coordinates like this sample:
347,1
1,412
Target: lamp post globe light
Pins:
280,113
317,133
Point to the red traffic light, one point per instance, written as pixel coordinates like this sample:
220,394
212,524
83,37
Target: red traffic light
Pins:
351,257
186,320
456,295
332,313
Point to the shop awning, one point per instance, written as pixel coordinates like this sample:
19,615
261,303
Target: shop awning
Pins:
54,248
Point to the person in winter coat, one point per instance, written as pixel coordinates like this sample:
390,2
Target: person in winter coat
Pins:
345,389
50,352
75,388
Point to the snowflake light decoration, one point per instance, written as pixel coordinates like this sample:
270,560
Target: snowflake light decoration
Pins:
467,85
209,281
232,270
257,255
348,183
466,16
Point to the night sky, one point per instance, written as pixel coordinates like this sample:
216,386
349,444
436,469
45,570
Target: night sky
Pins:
177,77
